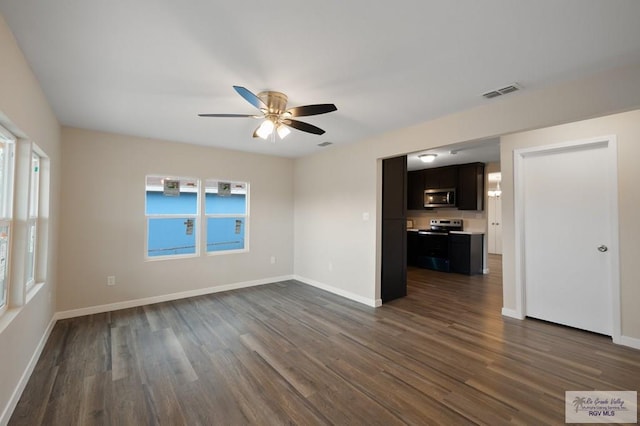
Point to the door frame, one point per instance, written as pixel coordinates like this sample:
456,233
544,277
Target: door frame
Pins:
610,160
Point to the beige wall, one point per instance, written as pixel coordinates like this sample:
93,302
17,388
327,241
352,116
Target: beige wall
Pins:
25,111
334,242
103,221
626,127
335,187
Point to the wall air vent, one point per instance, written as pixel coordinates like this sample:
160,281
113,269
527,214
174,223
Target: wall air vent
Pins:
323,144
502,91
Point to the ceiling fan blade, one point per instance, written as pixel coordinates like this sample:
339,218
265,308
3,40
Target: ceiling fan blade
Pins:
228,115
305,127
307,110
250,97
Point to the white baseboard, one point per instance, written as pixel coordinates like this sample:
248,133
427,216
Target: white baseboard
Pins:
26,375
165,298
346,294
511,313
485,271
631,342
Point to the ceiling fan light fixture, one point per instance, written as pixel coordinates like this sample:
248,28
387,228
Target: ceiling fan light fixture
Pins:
427,158
283,131
273,106
265,129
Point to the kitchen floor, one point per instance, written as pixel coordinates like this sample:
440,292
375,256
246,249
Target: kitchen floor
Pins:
487,288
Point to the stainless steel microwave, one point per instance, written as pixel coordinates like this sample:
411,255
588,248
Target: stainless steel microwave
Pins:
445,197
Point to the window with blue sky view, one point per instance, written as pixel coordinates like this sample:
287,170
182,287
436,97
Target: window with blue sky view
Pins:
176,219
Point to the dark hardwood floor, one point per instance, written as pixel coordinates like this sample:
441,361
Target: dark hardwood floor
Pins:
287,353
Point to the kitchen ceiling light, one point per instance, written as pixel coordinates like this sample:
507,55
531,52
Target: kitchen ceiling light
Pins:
427,158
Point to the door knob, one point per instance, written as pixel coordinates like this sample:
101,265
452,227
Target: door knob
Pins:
603,248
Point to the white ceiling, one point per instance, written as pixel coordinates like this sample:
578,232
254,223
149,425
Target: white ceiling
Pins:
148,67
486,151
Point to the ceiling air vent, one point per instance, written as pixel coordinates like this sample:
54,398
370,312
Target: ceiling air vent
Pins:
492,94
502,91
323,144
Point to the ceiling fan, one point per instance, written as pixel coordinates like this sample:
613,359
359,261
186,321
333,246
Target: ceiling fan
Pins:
277,118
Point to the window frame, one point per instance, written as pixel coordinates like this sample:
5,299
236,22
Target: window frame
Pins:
33,219
200,217
195,216
206,216
8,141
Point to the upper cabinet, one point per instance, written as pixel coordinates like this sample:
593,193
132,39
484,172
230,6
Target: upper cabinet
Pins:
441,177
467,179
415,190
470,191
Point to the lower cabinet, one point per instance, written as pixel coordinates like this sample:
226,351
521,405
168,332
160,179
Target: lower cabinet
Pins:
465,253
412,248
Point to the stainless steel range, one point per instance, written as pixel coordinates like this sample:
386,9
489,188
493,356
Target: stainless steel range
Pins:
442,226
433,244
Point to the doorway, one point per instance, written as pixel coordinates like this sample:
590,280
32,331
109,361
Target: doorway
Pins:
566,241
494,213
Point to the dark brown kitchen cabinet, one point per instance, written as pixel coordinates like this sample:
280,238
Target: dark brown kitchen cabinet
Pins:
465,253
393,281
415,190
470,188
440,177
466,179
412,248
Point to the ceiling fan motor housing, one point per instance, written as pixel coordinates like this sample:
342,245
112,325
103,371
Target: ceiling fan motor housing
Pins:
276,102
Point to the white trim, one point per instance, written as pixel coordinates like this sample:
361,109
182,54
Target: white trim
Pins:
631,342
610,142
511,313
209,290
346,294
166,297
33,290
616,308
518,208
26,375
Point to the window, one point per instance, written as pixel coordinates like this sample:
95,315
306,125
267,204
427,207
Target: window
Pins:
174,215
226,213
32,219
6,207
172,207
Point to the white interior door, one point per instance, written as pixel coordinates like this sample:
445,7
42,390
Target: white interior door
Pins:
567,217
495,225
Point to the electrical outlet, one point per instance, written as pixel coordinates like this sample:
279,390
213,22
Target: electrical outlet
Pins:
330,266
111,280
273,260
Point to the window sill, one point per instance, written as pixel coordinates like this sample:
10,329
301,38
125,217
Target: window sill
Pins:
33,290
7,317
173,257
223,252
